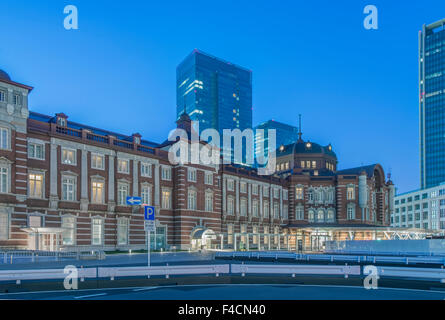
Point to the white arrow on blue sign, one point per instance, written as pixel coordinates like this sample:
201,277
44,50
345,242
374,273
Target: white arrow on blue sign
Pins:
149,213
134,201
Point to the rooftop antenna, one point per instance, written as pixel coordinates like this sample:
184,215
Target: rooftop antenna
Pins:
299,128
389,174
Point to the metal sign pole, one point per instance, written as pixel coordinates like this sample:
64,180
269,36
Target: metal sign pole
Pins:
149,247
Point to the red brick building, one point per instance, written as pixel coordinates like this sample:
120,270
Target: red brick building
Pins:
64,185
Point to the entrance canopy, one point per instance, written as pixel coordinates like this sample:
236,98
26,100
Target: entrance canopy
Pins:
204,234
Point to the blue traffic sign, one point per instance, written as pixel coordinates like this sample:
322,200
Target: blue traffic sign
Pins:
134,201
149,213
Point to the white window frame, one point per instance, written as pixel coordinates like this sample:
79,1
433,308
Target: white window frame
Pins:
120,167
166,204
192,199
94,199
166,173
230,205
243,187
350,195
94,163
123,191
209,201
5,216
72,230
34,155
243,207
255,207
64,160
42,185
191,175
146,170
5,170
102,226
74,191
208,178
122,225
230,185
5,138
146,193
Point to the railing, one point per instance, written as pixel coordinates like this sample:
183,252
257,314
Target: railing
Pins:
97,138
420,274
69,131
25,256
123,144
334,258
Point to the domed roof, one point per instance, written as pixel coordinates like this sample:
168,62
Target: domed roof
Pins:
307,147
4,75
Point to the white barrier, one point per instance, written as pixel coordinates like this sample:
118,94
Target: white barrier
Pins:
295,269
416,273
163,270
44,274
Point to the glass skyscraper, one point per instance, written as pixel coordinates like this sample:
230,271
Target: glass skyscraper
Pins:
214,92
285,134
432,104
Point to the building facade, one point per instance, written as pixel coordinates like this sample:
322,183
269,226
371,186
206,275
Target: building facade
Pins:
432,104
63,185
420,209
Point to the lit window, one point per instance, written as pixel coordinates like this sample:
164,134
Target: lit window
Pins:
299,193
243,187
255,208
69,156
166,199
35,185
350,193
97,194
230,233
123,166
97,161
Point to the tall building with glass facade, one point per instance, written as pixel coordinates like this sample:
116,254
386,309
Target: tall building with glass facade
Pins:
432,104
285,135
214,92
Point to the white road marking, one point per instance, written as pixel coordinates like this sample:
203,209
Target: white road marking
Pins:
144,289
91,295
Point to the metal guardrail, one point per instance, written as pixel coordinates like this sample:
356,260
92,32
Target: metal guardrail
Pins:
163,271
295,269
14,256
334,258
423,274
44,274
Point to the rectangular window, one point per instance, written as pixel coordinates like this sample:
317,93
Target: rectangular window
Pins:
243,187
299,193
69,188
276,237
97,161
351,213
276,211
230,185
36,151
4,138
255,208
285,195
146,170
166,199
4,180
69,224
266,209
303,164
35,185
122,232
192,200
299,213
209,202
4,226
266,234
97,192
146,194
265,191
208,178
2,96
191,176
350,193
230,233
276,193
230,205
122,193
69,156
243,207
97,232
255,234
123,166
16,99
166,173
255,189
285,212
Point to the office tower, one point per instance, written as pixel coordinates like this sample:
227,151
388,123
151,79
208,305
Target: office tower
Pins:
214,92
432,104
285,134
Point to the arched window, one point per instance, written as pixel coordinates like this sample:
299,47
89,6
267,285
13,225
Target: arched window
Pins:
311,214
320,215
331,215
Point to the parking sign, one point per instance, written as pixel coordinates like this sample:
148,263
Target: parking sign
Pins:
149,213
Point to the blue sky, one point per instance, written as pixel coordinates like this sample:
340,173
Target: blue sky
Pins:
355,88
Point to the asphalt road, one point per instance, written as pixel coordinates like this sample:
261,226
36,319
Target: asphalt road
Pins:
234,292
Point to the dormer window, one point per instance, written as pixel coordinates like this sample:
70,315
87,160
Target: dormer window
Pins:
61,122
